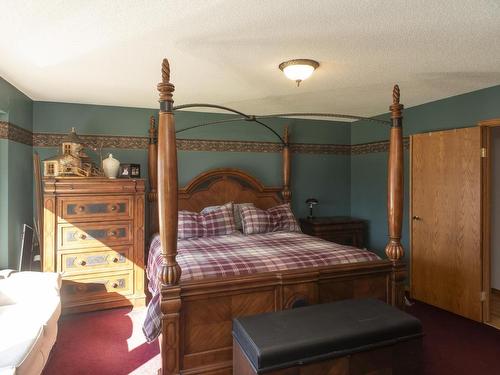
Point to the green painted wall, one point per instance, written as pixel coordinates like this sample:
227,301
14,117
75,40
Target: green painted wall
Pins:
344,185
20,208
369,171
16,175
15,107
4,200
326,177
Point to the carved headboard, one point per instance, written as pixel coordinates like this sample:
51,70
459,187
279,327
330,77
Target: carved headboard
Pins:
217,186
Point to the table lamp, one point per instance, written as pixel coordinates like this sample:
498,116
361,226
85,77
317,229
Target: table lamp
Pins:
311,202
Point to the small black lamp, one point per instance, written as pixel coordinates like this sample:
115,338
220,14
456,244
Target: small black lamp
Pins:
311,202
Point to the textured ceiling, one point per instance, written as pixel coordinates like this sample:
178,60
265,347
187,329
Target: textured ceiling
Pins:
227,52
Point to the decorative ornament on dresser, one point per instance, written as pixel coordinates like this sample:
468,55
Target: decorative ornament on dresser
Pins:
71,161
110,166
129,171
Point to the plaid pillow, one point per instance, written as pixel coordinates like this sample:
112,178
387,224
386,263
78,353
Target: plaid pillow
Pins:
236,212
214,223
279,218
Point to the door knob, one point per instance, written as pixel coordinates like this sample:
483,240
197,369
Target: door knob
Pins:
417,218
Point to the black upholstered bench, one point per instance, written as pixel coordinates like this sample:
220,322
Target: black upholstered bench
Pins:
361,336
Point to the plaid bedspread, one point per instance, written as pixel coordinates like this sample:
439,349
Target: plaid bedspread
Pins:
237,255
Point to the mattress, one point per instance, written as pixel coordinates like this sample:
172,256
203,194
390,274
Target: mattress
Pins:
239,255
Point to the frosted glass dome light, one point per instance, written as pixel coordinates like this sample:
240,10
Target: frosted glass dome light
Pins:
299,69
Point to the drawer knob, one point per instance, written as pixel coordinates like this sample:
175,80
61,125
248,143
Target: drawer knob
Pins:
115,285
81,208
82,262
115,260
80,288
113,207
112,233
83,236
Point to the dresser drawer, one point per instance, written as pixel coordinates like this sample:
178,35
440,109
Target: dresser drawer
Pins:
96,287
90,208
85,235
73,263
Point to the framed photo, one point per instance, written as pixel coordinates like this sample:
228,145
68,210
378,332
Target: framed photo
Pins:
129,171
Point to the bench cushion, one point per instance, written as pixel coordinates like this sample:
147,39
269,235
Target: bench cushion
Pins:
307,334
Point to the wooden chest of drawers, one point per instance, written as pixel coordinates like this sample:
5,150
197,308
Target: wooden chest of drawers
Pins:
340,229
94,235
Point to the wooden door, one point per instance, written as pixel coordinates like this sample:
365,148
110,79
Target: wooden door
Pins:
446,268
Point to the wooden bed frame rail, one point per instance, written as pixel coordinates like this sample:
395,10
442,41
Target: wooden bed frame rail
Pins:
197,315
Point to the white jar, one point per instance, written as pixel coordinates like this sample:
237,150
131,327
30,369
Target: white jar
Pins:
110,166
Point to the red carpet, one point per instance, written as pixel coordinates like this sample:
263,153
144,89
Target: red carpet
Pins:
101,343
456,345
111,342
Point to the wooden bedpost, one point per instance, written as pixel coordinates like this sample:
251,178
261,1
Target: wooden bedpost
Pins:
167,211
286,167
394,249
153,177
167,179
395,190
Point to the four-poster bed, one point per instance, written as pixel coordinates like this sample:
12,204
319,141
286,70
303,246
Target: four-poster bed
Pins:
196,314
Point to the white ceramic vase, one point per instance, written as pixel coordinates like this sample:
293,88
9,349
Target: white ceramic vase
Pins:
110,166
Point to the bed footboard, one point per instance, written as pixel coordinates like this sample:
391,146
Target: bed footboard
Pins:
196,334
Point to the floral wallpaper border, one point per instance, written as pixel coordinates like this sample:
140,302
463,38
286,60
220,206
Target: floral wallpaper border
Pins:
17,134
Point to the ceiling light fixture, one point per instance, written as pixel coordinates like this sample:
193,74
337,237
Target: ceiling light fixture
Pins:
298,69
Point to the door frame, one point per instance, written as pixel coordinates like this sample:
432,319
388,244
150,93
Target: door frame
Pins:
486,169
410,215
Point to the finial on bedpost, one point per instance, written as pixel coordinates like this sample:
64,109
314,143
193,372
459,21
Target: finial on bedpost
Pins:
165,87
396,108
286,193
167,185
165,71
395,94
394,249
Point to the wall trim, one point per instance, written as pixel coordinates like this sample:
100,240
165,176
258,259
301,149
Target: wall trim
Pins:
374,147
92,141
14,133
207,145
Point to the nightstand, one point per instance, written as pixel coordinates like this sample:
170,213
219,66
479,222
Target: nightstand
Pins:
340,229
